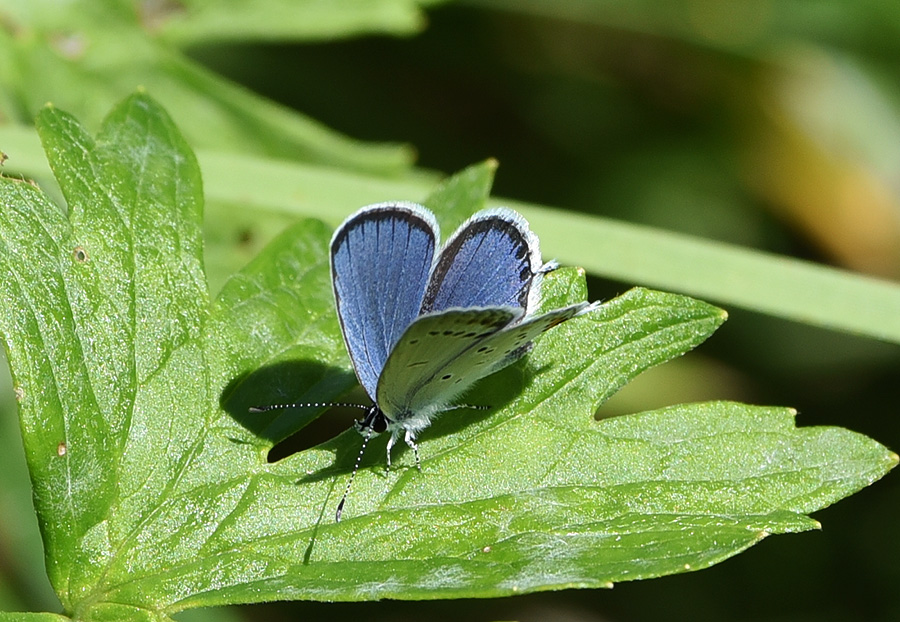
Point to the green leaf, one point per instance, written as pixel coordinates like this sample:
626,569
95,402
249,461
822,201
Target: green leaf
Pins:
744,31
31,617
151,479
83,55
201,20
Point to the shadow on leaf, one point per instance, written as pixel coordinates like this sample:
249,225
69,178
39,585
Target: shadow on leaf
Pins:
287,382
494,392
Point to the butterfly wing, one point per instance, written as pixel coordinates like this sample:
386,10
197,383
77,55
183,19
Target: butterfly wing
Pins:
441,355
381,258
428,346
493,260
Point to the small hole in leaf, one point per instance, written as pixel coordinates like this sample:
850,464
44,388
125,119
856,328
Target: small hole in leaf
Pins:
80,254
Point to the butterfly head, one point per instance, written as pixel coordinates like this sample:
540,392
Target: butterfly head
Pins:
374,423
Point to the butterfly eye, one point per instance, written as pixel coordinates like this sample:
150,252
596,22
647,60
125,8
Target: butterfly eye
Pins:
379,424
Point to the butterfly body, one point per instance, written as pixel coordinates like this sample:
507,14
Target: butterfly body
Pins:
423,326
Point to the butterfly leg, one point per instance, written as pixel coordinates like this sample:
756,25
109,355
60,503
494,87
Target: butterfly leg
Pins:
390,444
411,441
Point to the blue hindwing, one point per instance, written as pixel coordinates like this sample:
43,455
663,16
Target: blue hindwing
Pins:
493,260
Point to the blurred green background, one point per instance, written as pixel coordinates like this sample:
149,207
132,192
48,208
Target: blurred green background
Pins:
770,125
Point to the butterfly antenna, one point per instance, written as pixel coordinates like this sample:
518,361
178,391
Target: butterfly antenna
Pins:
340,507
262,409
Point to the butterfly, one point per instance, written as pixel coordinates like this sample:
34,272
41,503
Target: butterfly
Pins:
421,323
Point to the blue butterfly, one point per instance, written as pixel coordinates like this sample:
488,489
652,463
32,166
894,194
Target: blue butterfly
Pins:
423,326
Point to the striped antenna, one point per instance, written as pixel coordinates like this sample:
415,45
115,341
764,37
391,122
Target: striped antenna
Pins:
365,425
262,409
340,507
